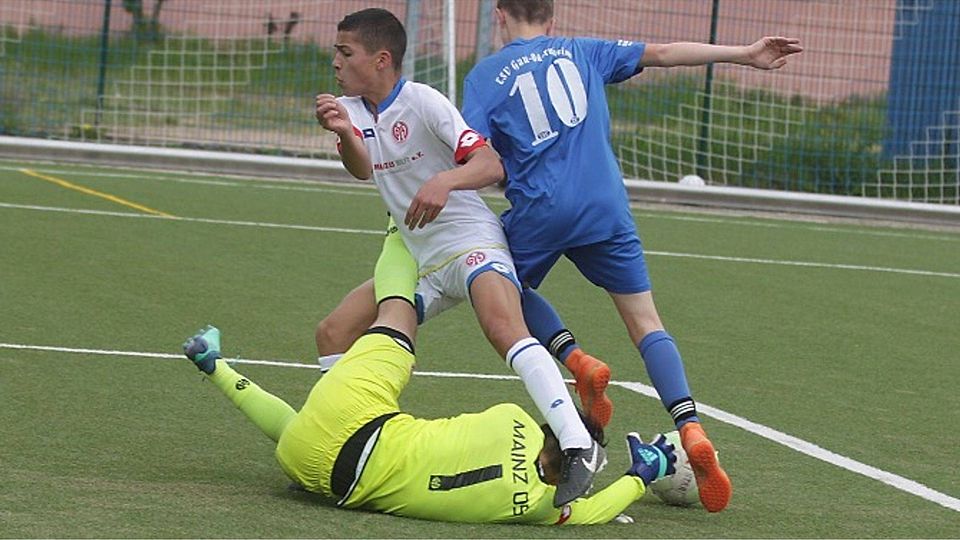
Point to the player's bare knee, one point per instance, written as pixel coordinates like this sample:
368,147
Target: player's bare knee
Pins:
639,329
332,336
504,332
322,337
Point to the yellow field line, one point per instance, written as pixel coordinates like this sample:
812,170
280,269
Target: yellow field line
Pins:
95,193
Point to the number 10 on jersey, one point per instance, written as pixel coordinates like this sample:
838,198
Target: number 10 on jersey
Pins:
565,91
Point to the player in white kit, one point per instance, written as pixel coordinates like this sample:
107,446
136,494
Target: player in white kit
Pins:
410,139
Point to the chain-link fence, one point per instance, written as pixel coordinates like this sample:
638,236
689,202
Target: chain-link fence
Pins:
872,107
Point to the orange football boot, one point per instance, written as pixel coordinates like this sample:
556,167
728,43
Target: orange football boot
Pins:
592,377
713,483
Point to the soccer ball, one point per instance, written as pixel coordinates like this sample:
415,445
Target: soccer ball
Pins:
680,488
692,180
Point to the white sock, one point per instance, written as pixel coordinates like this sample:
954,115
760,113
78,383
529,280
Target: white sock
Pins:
544,383
327,361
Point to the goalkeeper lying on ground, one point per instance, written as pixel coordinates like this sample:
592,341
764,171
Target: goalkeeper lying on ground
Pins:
351,442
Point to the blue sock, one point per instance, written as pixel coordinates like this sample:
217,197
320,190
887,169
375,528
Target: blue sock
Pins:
665,368
545,325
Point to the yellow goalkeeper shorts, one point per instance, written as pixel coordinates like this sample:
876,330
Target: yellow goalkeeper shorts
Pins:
362,386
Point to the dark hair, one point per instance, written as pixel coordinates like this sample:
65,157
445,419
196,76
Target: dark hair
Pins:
530,11
378,29
551,445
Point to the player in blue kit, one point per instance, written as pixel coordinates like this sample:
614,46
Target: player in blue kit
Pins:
540,101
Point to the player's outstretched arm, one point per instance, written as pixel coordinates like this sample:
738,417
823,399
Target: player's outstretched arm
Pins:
648,463
765,53
333,116
771,52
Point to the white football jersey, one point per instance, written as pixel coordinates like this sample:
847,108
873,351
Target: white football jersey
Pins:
416,134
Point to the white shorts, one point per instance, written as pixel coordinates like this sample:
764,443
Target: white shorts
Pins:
447,286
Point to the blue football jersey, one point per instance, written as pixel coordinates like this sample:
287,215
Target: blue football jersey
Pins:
541,103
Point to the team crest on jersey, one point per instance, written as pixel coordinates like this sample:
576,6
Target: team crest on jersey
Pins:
400,131
475,258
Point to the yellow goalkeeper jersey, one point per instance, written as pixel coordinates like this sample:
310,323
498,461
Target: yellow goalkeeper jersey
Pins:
474,468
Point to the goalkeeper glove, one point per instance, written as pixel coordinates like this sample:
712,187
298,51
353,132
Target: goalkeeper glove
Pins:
650,462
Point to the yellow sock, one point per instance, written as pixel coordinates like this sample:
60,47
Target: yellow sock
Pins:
268,412
396,272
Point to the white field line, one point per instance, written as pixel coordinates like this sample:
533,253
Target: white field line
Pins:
193,220
85,171
366,189
906,271
903,484
810,449
361,188
805,263
802,225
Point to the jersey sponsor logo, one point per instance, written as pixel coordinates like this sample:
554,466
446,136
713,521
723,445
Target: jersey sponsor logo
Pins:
368,133
393,164
565,513
400,131
624,43
475,258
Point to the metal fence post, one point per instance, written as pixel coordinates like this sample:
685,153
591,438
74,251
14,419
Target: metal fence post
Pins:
450,48
484,12
104,50
413,38
703,141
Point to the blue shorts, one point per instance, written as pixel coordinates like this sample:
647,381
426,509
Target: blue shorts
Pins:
616,265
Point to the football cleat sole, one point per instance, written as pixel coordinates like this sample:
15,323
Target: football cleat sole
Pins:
591,385
712,481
